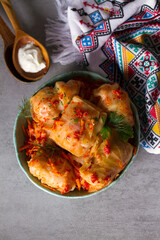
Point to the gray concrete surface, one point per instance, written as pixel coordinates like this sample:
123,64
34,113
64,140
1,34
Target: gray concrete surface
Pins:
130,210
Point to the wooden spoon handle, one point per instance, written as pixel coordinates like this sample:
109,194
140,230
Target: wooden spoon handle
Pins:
11,15
5,32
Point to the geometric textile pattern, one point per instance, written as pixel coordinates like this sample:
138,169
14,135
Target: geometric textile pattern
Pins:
143,78
100,1
138,61
90,41
102,29
142,74
87,44
146,63
96,17
130,56
119,13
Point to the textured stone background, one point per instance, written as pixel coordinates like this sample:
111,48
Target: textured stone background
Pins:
130,210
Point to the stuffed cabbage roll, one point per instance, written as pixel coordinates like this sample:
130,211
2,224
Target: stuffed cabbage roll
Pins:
107,160
53,170
67,90
49,102
85,120
78,126
111,97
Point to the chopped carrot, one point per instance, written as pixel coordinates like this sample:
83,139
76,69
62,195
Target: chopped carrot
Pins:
59,122
120,164
53,189
82,126
24,147
108,101
135,151
53,167
78,183
24,131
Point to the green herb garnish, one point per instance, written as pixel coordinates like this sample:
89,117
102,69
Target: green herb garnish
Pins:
24,108
103,120
54,118
119,124
50,149
105,131
49,92
75,120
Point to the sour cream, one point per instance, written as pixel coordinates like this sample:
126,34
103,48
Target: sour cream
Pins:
30,58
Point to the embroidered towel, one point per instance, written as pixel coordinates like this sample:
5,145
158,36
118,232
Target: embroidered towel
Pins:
121,41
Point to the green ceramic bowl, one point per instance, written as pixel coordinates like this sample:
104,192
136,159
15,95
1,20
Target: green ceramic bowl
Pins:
19,137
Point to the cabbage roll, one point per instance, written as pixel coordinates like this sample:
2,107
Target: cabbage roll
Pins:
111,97
53,170
67,90
49,102
107,160
78,126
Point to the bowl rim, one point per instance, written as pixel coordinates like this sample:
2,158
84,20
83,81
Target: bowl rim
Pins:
53,80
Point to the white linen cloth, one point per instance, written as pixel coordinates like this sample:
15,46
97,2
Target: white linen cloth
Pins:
103,33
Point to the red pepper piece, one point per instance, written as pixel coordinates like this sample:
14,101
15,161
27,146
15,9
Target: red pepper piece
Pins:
94,178
117,91
107,149
86,185
77,135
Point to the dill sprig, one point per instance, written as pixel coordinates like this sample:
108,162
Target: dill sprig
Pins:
118,123
24,108
47,148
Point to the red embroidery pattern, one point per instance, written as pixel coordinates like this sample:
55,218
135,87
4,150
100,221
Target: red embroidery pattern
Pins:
106,10
87,24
